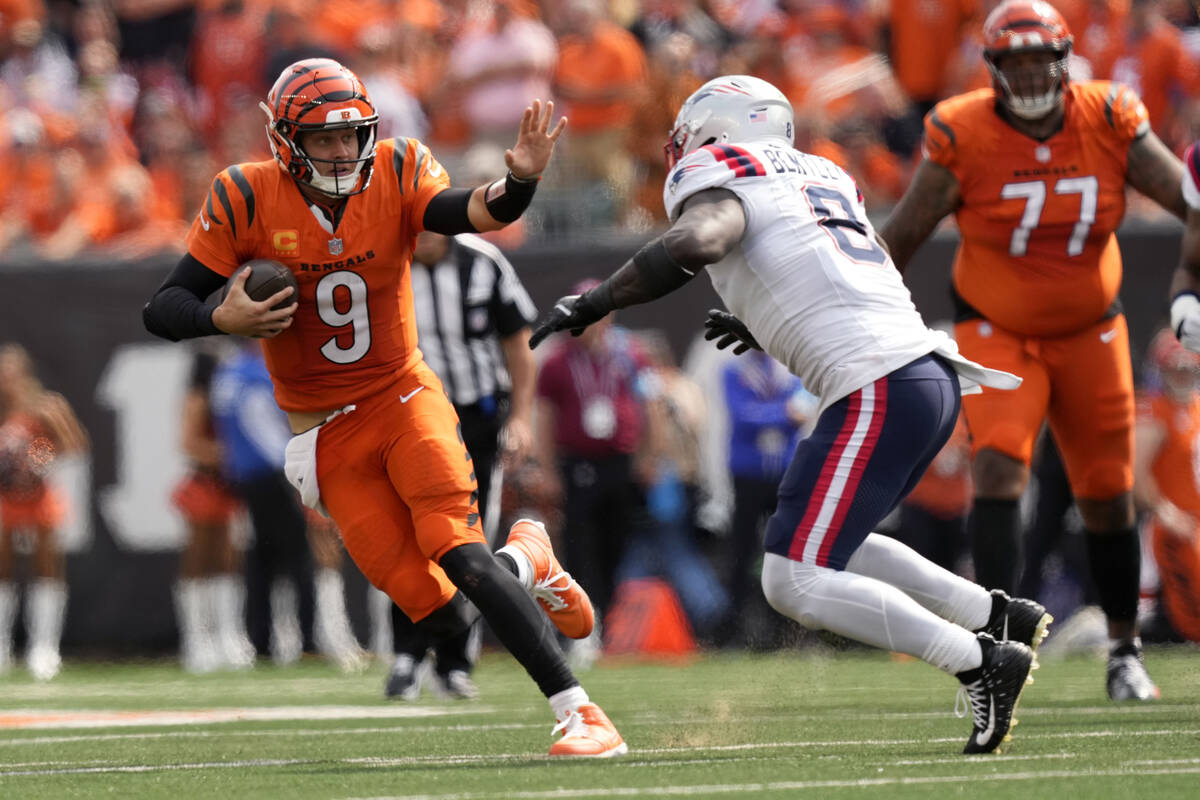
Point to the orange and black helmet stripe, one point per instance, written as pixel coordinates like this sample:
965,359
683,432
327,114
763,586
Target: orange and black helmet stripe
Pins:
311,85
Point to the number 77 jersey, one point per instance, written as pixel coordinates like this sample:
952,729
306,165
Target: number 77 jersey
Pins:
1038,254
354,332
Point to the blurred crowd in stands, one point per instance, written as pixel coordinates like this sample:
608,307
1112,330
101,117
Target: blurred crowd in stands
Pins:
115,114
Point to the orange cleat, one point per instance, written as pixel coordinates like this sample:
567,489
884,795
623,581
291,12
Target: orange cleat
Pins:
588,733
563,600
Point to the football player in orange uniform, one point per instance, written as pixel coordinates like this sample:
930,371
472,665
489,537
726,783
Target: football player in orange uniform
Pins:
1034,170
377,442
1165,479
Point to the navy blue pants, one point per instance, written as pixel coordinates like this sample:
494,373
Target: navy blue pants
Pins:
865,455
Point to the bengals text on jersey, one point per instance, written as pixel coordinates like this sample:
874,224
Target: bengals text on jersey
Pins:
350,337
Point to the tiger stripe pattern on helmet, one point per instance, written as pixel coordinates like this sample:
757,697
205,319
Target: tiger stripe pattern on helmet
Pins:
320,94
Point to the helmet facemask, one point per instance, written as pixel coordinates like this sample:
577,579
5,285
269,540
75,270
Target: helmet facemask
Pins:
680,143
1031,81
323,174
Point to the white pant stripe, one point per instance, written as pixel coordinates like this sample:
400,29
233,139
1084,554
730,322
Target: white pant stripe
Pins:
841,474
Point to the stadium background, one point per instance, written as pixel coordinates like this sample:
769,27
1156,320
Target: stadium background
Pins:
82,324
114,117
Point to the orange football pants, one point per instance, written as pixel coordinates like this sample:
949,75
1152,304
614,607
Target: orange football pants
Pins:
1082,383
1179,573
398,481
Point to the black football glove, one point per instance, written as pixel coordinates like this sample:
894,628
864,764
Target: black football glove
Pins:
728,329
571,313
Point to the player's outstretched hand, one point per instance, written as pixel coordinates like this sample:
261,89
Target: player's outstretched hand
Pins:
241,315
571,313
728,329
535,141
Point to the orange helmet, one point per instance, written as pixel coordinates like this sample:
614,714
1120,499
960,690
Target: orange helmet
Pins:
1027,26
319,94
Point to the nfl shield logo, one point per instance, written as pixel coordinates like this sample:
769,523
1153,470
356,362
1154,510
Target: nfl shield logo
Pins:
335,247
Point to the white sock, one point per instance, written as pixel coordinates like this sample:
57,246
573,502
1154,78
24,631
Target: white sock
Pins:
8,615
866,610
524,565
287,643
46,611
227,601
332,625
948,595
566,701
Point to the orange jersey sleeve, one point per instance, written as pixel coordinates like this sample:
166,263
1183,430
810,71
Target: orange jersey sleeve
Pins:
1175,466
349,337
1038,255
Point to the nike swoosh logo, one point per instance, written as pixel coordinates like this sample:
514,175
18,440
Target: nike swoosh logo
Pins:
982,737
203,221
404,398
1108,336
434,169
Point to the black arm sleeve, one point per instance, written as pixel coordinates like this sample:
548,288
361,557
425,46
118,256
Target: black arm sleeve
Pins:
447,212
178,309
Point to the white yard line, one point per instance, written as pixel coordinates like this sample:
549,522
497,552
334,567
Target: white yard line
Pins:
16,718
69,768
783,786
49,718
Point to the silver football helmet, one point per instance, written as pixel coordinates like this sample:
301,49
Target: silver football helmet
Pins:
731,108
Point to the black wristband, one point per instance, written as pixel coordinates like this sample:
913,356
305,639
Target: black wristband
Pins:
507,200
658,269
600,299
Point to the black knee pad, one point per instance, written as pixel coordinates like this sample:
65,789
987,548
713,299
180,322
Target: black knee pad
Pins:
467,564
449,620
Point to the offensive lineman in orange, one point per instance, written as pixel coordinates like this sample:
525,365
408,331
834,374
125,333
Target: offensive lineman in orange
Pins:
1034,170
376,442
1166,481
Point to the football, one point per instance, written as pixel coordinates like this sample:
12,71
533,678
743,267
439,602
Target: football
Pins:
267,278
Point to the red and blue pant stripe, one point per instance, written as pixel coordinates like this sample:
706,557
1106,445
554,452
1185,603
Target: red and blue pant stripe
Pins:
865,455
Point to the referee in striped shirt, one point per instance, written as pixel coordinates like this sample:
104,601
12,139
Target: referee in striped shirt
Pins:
473,327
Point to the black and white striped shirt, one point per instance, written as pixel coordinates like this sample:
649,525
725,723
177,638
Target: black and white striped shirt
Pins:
464,305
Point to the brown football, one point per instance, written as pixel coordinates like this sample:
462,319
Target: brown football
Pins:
267,278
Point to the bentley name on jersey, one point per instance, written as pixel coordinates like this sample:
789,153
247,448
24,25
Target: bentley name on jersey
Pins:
809,278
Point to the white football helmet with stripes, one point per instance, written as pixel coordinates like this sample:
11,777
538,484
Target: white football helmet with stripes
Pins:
731,108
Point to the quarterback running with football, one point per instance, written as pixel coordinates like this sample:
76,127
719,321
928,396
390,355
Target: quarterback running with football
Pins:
1034,170
789,249
377,442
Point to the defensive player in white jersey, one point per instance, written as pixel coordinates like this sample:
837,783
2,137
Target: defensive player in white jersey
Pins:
789,249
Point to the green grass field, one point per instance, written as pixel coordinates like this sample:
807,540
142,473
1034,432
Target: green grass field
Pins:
795,724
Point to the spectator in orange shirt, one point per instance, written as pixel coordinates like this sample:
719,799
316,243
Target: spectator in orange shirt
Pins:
921,39
24,151
670,80
1100,37
600,76
1155,65
227,56
880,175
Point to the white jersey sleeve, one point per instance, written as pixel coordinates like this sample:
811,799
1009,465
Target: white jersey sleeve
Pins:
1191,176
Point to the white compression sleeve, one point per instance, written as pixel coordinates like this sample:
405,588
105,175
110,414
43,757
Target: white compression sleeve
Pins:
941,591
868,611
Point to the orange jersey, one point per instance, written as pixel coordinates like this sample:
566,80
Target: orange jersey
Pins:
1176,469
1038,254
349,337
